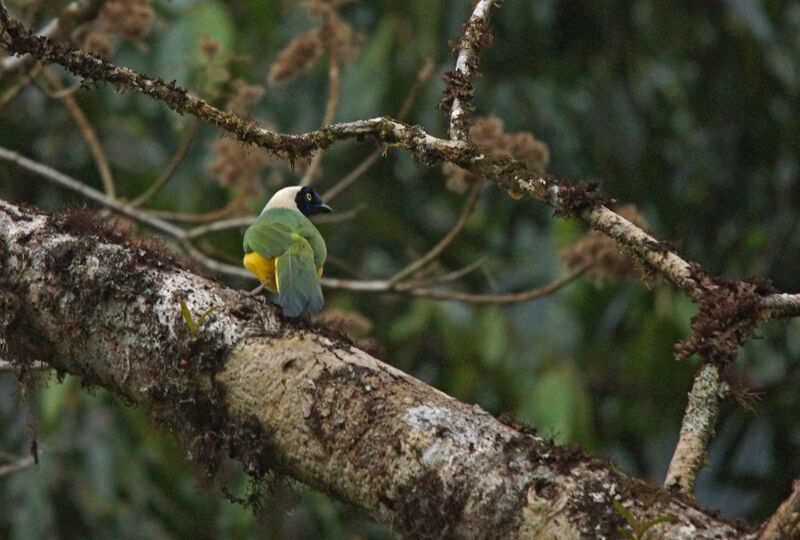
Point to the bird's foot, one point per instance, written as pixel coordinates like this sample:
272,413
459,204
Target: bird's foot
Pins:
257,290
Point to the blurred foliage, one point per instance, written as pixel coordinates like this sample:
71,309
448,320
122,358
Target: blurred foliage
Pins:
688,110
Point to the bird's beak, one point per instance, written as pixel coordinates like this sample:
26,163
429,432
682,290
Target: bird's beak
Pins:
324,208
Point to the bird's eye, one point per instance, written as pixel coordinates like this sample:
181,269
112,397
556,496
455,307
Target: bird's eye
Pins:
308,197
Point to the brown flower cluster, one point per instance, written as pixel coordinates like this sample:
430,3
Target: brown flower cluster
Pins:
600,255
488,135
244,95
297,56
334,36
236,164
727,318
127,18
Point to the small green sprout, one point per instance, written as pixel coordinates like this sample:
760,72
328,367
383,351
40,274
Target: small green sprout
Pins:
187,316
639,527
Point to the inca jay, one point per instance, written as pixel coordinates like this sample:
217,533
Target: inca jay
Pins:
285,250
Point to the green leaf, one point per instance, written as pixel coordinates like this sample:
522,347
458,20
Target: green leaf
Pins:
187,316
208,312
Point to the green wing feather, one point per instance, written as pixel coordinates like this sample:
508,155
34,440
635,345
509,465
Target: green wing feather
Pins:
290,236
298,284
271,235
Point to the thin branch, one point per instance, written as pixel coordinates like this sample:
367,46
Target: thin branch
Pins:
215,215
87,131
185,237
75,13
173,165
442,278
423,75
21,84
424,146
459,82
18,465
91,194
696,430
785,522
436,250
781,305
565,198
5,365
354,175
510,298
331,105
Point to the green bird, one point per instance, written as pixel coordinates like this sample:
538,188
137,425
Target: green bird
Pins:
286,252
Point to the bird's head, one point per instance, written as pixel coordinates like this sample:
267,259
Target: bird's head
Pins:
301,198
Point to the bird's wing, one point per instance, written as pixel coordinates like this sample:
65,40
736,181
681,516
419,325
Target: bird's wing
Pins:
271,234
314,239
296,277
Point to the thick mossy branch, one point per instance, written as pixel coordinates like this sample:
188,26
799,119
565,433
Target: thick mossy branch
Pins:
295,401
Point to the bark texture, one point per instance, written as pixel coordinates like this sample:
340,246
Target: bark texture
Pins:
280,395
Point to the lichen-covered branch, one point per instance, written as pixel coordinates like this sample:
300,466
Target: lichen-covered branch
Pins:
698,425
295,400
567,199
93,68
459,91
785,522
74,14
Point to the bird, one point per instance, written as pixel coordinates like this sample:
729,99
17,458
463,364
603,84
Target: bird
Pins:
285,250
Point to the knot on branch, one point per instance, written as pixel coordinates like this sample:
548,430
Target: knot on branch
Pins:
572,199
458,86
729,312
476,38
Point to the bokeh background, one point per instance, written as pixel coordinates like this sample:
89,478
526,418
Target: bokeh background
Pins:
689,110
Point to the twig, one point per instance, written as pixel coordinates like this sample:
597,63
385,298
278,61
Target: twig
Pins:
331,105
442,278
510,298
781,305
424,146
167,173
18,465
185,240
21,84
785,522
565,198
239,222
91,194
696,430
459,81
74,14
5,365
436,250
215,215
423,75
86,130
351,177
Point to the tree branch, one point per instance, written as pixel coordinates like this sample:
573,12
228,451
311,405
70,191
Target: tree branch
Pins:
292,400
785,522
75,13
459,91
567,199
696,430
